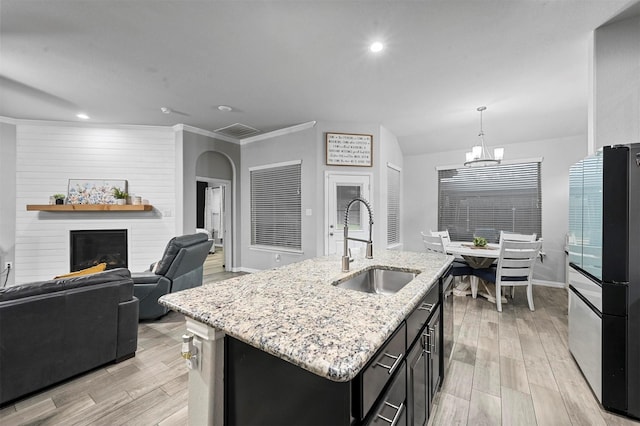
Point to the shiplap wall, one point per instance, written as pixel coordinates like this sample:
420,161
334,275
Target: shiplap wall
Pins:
49,155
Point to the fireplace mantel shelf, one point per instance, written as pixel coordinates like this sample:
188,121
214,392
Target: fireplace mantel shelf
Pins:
89,207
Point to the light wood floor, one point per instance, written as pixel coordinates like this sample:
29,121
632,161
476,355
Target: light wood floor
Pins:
512,368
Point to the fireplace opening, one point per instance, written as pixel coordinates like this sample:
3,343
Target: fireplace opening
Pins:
91,247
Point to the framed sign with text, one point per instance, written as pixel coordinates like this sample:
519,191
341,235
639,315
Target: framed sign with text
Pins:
349,149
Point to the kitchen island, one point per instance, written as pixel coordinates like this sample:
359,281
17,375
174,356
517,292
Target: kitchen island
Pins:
296,313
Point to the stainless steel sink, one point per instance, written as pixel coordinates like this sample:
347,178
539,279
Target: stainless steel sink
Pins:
380,281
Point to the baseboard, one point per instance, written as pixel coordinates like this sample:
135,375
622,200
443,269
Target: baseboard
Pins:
247,270
545,283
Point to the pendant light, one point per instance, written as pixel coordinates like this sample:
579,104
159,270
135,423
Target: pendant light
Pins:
479,156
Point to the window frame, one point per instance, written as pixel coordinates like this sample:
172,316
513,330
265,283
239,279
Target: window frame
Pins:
394,204
259,239
483,175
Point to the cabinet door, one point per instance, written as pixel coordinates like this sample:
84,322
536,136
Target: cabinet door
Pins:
417,376
390,410
433,349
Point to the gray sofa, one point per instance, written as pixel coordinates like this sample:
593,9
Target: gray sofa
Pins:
53,330
179,268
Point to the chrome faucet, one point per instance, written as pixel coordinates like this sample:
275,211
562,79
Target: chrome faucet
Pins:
346,259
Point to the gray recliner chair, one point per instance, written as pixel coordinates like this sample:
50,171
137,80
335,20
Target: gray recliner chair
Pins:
180,268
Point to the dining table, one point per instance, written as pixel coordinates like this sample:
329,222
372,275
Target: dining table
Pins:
478,258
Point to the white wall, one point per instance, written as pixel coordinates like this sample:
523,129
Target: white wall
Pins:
420,194
49,154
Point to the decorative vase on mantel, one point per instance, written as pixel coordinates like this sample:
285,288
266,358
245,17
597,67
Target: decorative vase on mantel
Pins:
121,201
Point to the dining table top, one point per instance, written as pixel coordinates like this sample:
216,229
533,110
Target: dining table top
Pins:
466,248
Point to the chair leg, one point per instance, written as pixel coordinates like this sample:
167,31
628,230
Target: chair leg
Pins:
530,297
513,291
498,297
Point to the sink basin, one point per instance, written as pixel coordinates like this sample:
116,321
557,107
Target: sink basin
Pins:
379,281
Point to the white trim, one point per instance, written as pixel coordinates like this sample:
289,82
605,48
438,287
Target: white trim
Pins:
54,123
8,120
279,132
229,222
247,270
524,160
325,209
545,283
394,167
274,249
198,131
274,165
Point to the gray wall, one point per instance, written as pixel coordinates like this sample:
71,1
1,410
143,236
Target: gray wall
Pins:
617,82
214,165
300,145
8,204
192,146
420,194
309,146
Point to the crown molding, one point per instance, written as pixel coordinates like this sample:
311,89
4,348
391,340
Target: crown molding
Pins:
279,132
202,132
7,120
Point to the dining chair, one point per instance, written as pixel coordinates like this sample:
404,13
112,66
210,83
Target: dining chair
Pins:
515,268
435,244
514,236
446,239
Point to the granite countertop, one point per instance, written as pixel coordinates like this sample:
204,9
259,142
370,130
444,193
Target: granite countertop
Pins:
295,313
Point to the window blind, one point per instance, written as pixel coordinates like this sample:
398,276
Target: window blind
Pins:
393,206
485,200
276,208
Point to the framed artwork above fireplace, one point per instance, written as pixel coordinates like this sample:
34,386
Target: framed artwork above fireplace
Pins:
94,191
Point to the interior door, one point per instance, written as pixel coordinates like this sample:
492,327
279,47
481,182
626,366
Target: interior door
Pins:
339,190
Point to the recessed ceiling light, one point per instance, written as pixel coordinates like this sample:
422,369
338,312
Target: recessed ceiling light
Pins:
165,110
82,116
225,108
376,47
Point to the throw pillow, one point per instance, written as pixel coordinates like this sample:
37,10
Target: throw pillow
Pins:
92,270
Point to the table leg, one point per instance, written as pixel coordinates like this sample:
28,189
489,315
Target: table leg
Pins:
474,286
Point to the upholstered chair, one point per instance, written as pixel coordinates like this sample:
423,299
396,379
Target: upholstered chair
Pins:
179,268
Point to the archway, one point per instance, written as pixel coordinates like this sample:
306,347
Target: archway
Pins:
214,206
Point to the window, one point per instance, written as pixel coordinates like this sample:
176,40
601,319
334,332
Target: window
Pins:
393,205
483,201
276,212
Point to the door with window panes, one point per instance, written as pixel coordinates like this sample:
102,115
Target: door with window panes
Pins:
340,189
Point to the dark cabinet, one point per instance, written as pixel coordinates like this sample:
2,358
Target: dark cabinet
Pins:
395,388
391,410
424,369
432,340
417,385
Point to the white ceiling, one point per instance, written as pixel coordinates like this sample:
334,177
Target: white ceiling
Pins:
281,63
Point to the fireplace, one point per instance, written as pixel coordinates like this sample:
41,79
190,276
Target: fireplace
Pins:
91,247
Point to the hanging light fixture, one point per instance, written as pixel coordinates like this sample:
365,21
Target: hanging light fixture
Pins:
479,156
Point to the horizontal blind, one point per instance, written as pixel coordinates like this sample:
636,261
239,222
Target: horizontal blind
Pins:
486,200
393,206
276,208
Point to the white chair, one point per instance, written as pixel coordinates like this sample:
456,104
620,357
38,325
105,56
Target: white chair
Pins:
515,268
446,239
435,244
513,236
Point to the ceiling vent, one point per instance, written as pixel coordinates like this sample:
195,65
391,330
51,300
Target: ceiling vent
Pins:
238,131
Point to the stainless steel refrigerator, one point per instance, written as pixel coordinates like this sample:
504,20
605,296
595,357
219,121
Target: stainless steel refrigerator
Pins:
604,274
